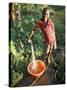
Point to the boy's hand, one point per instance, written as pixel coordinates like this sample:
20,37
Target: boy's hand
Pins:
55,46
30,41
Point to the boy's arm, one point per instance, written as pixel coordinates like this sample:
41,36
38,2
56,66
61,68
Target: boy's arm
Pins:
55,44
32,33
53,27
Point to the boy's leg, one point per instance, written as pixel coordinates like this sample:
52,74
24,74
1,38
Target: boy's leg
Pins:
48,53
50,57
48,49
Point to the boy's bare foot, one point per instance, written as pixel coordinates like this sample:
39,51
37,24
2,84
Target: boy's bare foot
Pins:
49,61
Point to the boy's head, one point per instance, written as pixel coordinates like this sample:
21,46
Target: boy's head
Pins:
45,13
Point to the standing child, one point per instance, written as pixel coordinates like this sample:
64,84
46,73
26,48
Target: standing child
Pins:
47,27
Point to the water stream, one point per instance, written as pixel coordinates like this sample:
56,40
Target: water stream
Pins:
33,58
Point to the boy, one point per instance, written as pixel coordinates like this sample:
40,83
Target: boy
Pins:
47,27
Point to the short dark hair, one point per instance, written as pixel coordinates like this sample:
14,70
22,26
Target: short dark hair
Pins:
44,12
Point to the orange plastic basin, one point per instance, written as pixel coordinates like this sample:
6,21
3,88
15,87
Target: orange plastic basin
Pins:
37,70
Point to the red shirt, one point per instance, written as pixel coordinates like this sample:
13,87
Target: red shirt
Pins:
48,31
